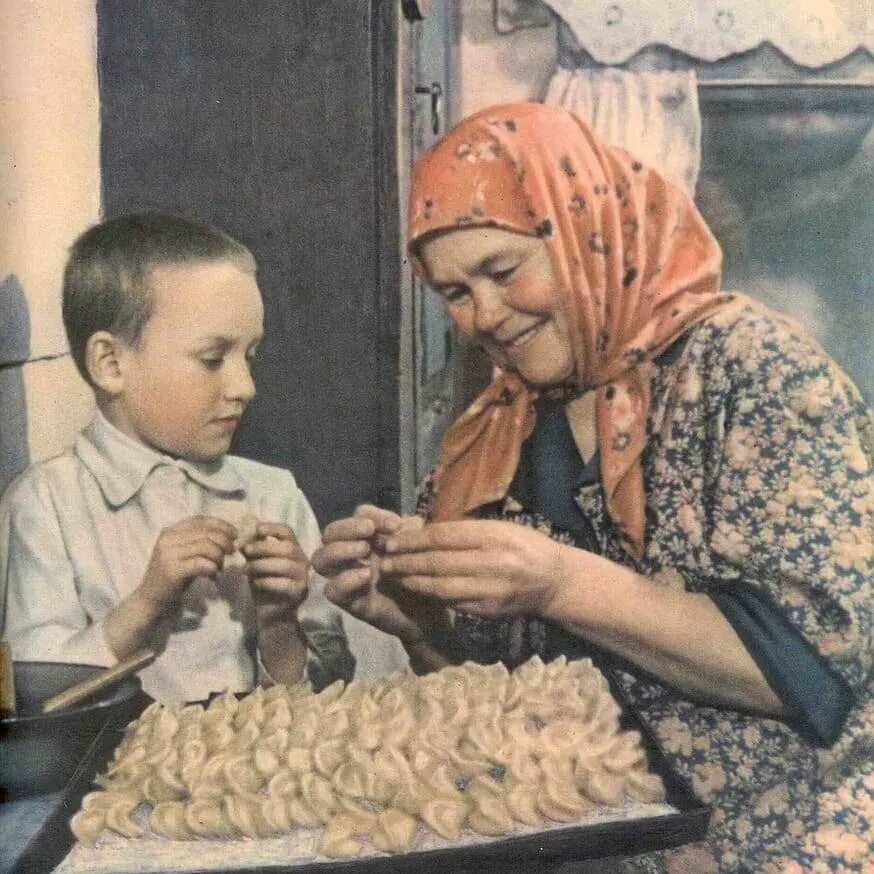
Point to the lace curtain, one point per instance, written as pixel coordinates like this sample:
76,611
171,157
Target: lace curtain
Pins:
653,115
811,33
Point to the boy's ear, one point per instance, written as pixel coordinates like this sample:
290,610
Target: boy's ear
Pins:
104,354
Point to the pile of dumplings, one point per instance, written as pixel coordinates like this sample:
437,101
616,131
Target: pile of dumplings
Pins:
470,746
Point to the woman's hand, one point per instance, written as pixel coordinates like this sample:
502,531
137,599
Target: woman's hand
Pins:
351,560
483,567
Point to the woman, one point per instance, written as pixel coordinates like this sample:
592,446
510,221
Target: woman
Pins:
672,479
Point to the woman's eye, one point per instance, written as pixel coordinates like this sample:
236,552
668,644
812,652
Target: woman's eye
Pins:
504,275
456,294
212,363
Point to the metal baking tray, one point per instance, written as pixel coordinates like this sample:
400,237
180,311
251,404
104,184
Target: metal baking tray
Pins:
533,852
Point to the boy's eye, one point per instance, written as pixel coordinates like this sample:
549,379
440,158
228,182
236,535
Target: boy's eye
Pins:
212,363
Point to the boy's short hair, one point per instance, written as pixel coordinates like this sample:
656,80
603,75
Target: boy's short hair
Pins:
106,277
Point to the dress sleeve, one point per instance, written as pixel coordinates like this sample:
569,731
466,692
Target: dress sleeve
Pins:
816,698
44,619
790,522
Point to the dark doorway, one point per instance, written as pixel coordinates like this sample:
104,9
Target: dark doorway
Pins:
276,121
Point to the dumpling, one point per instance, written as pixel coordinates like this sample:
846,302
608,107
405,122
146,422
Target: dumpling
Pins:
390,765
489,814
192,756
247,531
532,672
105,800
395,831
125,777
164,726
368,733
266,761
625,754
118,818
303,730
319,796
246,736
643,786
219,737
350,780
520,765
334,724
240,774
336,841
274,809
328,756
302,814
561,802
207,790
245,816
276,740
378,787
563,735
445,816
87,825
282,785
484,731
600,786
362,821
443,779
299,760
412,795
522,803
469,760
399,726
352,694
168,819
156,791
277,715
422,762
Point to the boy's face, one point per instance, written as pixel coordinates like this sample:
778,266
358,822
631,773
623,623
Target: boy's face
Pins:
187,385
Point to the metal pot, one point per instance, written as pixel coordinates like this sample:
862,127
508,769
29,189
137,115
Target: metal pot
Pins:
40,751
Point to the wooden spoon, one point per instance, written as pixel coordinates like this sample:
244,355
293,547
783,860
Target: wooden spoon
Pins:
99,681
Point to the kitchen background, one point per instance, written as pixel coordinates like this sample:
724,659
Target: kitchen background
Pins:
294,124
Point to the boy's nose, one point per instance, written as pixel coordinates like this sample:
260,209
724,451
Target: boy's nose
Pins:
240,385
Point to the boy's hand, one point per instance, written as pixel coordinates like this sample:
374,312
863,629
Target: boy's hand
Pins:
277,566
191,548
278,570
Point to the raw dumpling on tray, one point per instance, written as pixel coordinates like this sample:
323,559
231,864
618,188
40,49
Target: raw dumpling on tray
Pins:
376,762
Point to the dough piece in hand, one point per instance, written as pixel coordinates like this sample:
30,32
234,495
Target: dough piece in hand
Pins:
247,531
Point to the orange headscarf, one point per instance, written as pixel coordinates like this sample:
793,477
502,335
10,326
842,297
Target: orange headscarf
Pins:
635,264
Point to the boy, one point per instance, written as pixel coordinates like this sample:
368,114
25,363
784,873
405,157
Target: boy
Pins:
147,533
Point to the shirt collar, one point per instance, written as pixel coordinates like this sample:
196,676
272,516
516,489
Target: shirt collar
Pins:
121,464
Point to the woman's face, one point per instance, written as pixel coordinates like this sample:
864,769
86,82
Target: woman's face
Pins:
500,289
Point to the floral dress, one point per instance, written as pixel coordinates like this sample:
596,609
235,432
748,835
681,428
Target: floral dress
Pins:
758,477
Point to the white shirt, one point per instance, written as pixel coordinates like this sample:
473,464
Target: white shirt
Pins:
76,534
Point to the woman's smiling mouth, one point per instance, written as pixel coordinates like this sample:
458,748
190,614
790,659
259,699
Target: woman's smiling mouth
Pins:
525,336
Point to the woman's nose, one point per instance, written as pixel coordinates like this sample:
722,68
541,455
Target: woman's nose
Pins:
489,307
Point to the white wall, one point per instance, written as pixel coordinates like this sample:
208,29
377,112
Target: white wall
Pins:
49,143
491,68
